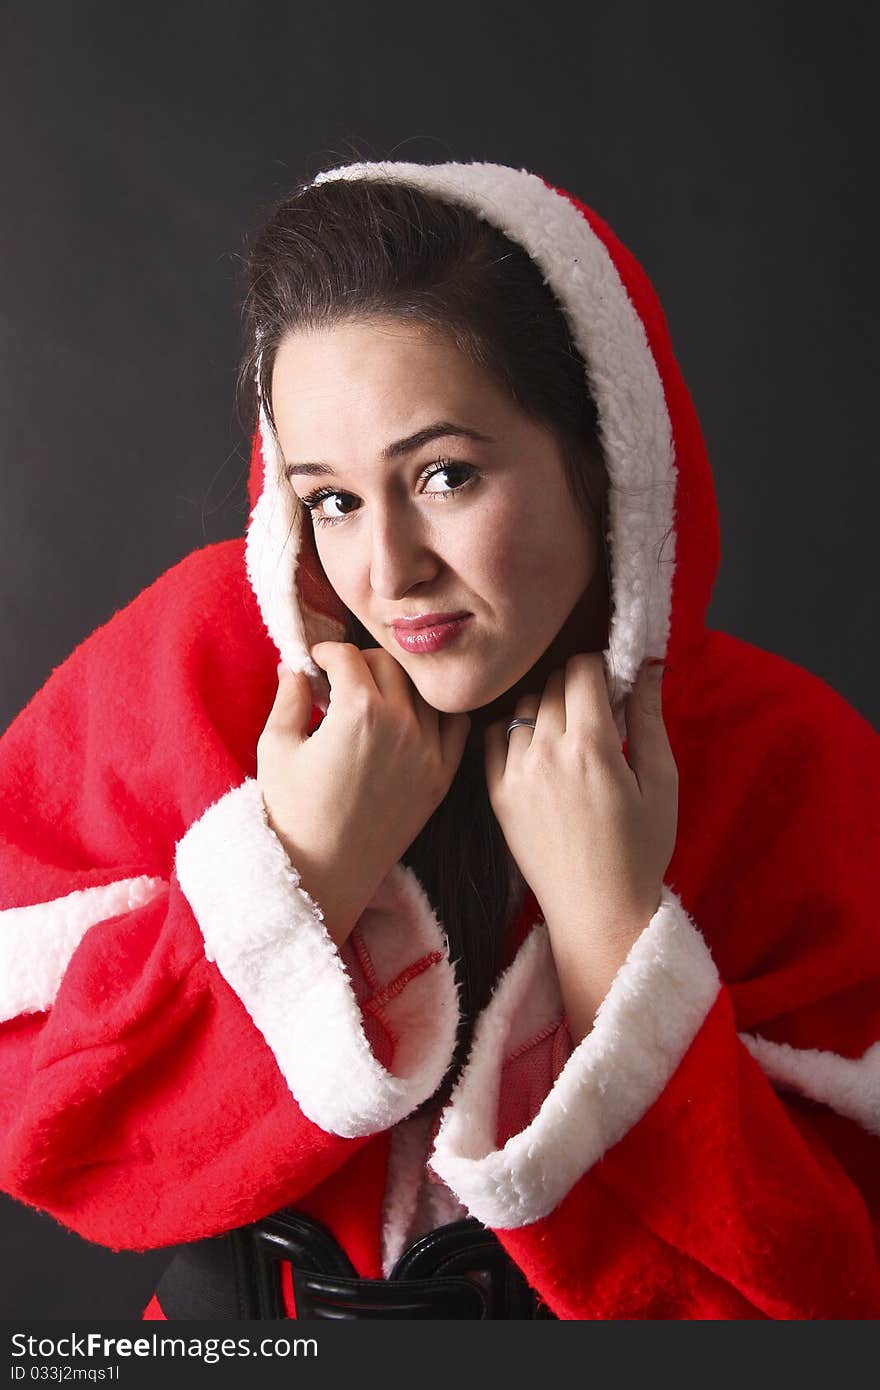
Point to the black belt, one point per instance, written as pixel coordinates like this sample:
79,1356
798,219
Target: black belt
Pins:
458,1271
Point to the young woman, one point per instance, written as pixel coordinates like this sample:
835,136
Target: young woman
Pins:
445,968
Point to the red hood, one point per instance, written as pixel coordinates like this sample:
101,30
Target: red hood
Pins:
660,481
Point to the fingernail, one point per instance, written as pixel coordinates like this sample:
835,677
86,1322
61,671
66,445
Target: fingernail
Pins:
281,669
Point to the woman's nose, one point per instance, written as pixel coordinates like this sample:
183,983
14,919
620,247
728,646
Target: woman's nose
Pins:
400,555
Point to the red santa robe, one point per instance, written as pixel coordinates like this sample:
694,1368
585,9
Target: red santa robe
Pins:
183,1049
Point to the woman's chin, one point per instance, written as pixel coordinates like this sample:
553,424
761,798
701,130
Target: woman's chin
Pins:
482,703
443,704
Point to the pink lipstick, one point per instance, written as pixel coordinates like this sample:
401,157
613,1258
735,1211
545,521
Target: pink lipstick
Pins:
429,631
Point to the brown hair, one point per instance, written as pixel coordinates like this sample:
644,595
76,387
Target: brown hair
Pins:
355,249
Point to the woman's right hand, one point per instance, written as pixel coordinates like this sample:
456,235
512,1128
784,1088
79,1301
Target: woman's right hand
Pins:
347,801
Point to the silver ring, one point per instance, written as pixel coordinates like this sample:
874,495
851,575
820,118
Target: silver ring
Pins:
528,723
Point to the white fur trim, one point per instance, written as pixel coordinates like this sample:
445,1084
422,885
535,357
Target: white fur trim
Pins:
634,420
407,1172
645,1024
271,555
849,1085
37,943
415,1202
270,944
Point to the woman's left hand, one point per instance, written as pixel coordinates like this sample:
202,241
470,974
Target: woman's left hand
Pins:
591,832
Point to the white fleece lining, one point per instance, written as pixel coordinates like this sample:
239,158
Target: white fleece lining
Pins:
270,944
634,420
392,947
848,1085
37,942
653,1011
415,1202
406,1174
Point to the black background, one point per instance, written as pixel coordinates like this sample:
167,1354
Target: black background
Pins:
729,145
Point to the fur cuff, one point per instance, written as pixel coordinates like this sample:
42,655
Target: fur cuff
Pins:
38,942
849,1085
650,1016
269,943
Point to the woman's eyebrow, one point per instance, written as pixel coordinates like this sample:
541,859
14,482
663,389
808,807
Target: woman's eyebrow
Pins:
441,429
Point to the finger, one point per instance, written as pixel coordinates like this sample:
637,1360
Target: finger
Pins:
519,739
389,675
550,722
587,702
291,711
396,686
344,666
648,748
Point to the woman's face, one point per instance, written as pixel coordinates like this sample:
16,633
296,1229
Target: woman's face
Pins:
430,492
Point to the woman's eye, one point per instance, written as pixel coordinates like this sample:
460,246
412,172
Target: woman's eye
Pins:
341,500
459,471
315,503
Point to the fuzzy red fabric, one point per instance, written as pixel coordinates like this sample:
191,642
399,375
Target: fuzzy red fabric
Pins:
145,1101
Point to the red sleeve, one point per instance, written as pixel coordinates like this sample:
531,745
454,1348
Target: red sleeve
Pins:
181,1045
711,1149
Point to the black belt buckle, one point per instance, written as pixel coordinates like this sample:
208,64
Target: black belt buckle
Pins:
460,1270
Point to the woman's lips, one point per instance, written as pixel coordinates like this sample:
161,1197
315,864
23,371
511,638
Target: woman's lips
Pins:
432,636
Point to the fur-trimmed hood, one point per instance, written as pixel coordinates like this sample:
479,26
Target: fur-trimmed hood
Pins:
662,514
